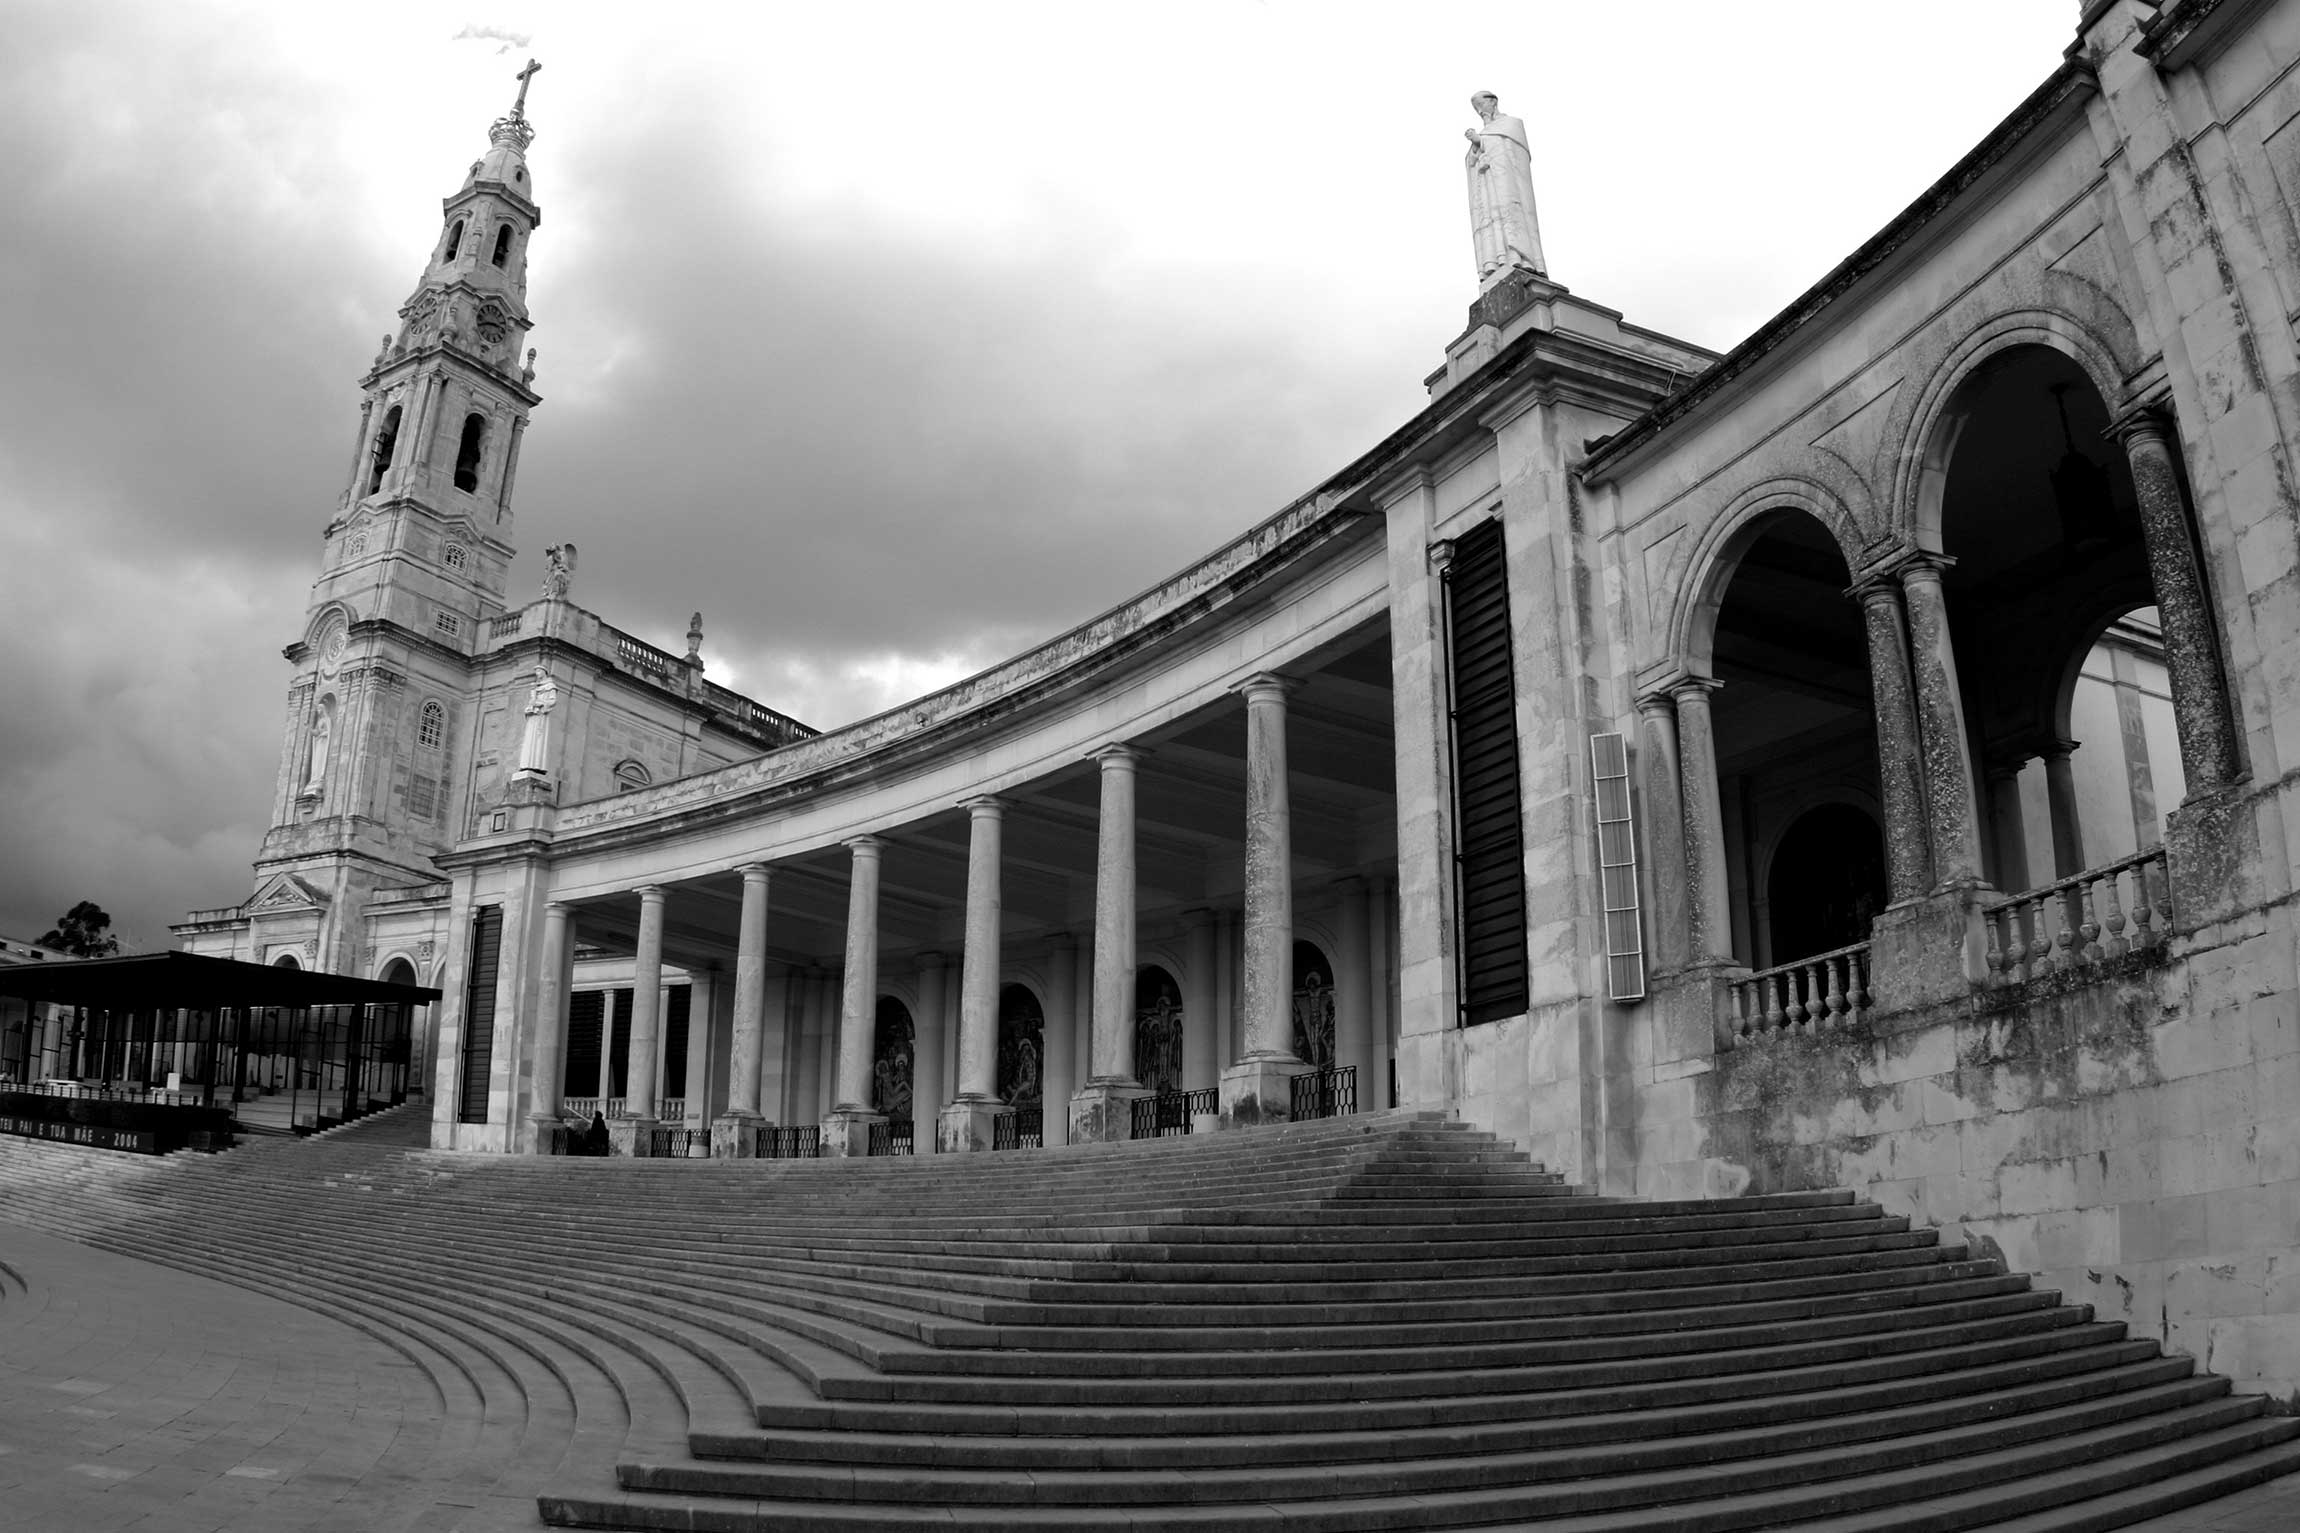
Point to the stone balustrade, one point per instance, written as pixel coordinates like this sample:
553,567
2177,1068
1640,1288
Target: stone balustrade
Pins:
2081,922
1826,990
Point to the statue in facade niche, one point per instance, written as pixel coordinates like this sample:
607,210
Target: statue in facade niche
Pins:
322,728
558,570
535,742
1501,219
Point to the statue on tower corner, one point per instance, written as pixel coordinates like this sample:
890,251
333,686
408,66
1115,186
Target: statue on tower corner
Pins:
1501,219
535,740
558,570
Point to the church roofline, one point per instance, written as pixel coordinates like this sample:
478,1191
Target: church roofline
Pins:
2055,101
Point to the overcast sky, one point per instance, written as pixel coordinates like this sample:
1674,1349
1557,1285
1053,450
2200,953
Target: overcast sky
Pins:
894,337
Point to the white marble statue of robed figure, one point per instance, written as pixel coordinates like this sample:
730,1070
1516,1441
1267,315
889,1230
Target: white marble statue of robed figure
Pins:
535,742
1500,164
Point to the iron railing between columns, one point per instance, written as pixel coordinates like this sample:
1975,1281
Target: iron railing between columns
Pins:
800,1142
1023,1128
1327,1093
1167,1115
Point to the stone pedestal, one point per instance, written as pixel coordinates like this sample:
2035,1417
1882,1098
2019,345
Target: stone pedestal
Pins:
631,1138
966,1126
536,1138
2212,855
1103,1112
1692,1012
846,1133
1257,1091
1930,950
735,1136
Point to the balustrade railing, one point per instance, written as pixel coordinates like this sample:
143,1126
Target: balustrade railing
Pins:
1022,1129
2081,922
507,626
581,1107
156,1095
671,1110
1808,996
801,1142
1167,1115
642,657
1327,1093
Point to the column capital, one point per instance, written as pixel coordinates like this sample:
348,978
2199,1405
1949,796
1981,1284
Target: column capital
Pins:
1656,704
1349,883
1266,687
2058,750
558,910
754,871
652,894
1197,916
863,846
985,806
932,961
2148,421
1693,689
1117,755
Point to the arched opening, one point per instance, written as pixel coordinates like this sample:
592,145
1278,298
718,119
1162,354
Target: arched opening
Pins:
468,450
1826,883
286,961
1313,1006
1794,726
1021,1046
503,244
454,240
386,441
2049,601
893,1045
1157,1029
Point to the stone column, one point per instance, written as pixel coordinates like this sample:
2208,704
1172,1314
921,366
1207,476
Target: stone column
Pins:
1660,774
1900,764
552,993
1353,985
1201,1057
2060,797
1257,1088
1948,767
926,1062
1709,935
1381,930
2191,646
970,1121
846,1128
1061,1016
732,1136
631,1131
2008,828
1102,1110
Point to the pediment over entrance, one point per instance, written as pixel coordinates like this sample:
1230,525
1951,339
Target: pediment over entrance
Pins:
285,891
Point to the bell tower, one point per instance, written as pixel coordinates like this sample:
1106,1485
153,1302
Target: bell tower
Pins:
417,554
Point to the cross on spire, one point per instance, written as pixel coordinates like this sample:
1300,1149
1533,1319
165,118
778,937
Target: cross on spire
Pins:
519,107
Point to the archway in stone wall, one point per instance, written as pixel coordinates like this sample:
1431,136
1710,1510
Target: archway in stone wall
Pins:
1021,1046
2038,511
893,1046
1313,1005
1795,727
1157,1029
1825,883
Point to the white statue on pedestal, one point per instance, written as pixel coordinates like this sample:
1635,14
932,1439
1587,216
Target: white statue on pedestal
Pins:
535,744
558,570
1501,220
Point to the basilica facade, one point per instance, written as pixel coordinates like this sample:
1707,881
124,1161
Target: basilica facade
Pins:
1856,759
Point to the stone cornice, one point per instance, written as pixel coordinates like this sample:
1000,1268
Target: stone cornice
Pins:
2187,32
2055,101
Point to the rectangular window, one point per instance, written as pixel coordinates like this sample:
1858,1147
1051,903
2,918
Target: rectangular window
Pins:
1489,837
447,623
423,795
619,1050
479,1013
586,1038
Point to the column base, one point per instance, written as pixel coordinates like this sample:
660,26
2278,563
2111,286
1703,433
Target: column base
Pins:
1259,1091
1930,950
966,1127
1692,1010
735,1136
1102,1112
2212,857
631,1138
846,1132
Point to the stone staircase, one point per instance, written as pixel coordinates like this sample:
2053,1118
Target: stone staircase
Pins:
1388,1321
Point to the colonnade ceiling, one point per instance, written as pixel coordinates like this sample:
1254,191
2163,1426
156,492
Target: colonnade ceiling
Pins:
1190,803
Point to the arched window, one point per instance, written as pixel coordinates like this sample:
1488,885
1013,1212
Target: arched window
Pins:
467,453
455,556
431,725
386,439
357,547
454,241
630,777
503,244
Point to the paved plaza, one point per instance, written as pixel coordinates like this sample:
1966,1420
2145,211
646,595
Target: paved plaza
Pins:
137,1397
133,1396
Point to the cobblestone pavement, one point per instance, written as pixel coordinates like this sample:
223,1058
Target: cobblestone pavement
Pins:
136,1397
